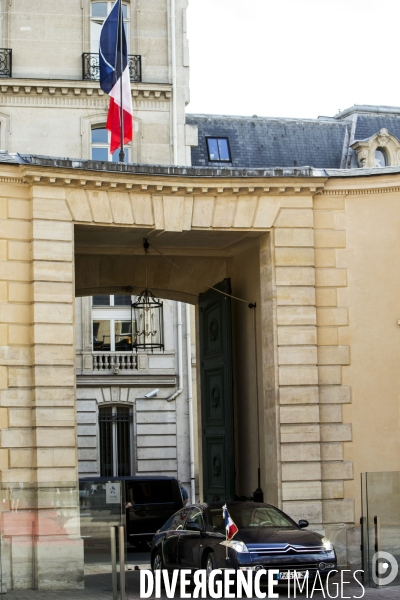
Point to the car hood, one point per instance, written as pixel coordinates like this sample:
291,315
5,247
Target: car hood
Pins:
274,536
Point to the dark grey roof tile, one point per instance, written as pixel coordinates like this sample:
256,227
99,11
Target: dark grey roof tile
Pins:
262,142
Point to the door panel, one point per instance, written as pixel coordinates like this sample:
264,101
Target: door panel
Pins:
216,393
190,541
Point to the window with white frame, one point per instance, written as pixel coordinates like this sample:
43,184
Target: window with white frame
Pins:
99,12
112,323
100,146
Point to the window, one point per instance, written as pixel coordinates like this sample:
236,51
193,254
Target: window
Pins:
99,12
380,158
179,520
119,341
115,427
112,324
195,516
101,300
101,146
101,335
150,492
123,300
247,516
218,149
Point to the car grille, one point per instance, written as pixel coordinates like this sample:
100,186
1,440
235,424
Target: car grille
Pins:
286,550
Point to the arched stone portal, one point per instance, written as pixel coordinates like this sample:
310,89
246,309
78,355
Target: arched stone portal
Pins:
76,229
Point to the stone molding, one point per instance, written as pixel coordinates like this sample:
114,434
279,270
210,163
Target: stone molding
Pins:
362,192
124,381
18,180
17,88
145,180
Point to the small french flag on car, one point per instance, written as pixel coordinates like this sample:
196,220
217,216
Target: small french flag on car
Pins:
230,526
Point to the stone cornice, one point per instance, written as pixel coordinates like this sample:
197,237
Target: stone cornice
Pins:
359,192
378,182
164,180
179,186
25,88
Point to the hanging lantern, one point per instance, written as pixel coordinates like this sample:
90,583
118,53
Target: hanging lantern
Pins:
147,323
147,317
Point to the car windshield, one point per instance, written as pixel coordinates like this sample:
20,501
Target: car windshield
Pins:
250,517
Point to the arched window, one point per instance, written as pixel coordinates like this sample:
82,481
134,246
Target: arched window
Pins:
100,146
115,428
99,12
381,158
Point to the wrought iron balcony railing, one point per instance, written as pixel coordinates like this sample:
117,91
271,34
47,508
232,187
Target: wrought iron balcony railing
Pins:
91,68
5,62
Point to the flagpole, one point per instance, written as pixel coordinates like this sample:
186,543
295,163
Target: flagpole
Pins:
121,110
226,532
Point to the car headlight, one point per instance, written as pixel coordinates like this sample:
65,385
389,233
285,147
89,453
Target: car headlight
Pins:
238,546
327,544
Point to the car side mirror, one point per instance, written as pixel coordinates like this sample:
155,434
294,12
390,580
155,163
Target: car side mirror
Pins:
303,523
192,526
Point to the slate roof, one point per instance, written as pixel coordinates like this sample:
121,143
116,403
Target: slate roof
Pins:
261,142
368,125
323,143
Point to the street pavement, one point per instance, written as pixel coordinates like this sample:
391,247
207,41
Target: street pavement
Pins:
98,586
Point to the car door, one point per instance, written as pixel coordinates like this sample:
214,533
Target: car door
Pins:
190,542
171,540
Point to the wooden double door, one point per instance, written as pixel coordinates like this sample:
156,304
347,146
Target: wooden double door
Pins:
217,394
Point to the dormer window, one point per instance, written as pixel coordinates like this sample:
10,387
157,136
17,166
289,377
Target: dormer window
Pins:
380,150
218,149
380,158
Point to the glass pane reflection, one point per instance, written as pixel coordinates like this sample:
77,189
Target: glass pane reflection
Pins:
101,335
99,9
123,335
100,154
115,156
223,149
380,158
122,300
100,136
213,149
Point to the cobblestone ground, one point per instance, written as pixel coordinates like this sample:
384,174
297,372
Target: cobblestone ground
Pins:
98,587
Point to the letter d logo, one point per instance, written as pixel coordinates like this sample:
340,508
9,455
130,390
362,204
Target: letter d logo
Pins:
384,568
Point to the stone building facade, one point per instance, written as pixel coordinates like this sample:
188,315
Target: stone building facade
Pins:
315,247
50,99
51,103
300,244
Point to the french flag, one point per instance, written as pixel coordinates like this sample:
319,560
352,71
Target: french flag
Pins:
230,526
114,77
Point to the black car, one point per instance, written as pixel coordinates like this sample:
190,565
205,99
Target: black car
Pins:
194,538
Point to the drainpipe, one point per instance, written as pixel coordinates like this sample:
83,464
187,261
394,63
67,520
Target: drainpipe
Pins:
174,94
190,401
180,358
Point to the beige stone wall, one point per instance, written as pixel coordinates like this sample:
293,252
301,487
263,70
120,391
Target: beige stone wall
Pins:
360,277
37,388
16,377
300,452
